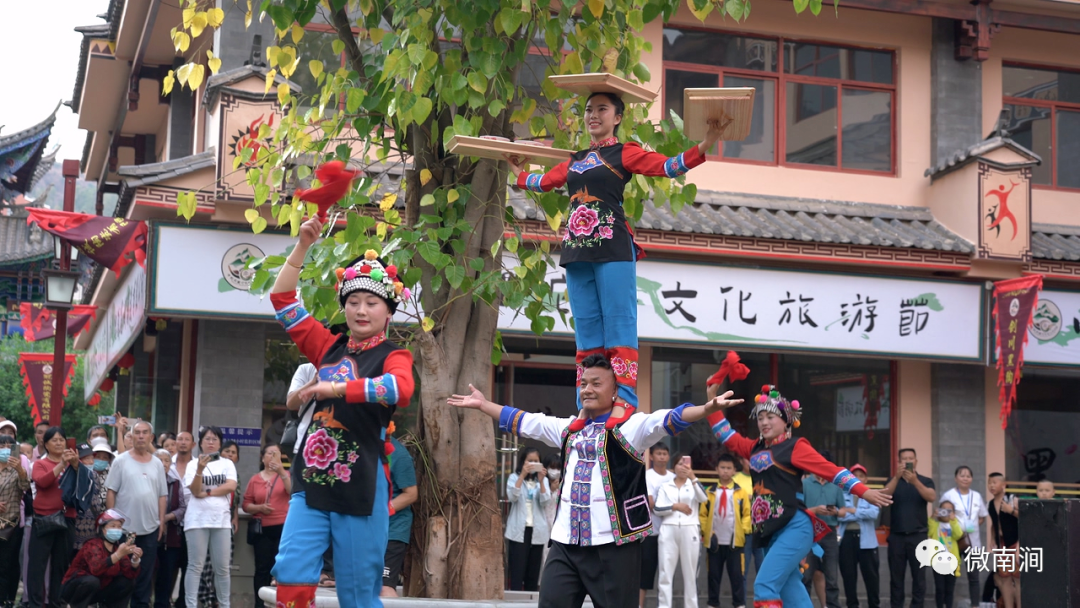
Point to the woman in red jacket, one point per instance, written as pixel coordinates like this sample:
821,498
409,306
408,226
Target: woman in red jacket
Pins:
51,548
103,572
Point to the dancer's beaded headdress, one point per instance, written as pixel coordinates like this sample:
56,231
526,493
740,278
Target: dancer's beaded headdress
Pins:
770,400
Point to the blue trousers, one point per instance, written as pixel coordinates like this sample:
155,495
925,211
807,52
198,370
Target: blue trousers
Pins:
779,576
359,546
603,301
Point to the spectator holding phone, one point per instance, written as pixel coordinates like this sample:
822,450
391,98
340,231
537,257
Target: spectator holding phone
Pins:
526,527
104,570
54,523
911,494
14,482
678,503
208,520
267,499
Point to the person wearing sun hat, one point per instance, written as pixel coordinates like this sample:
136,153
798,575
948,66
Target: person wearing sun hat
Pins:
340,475
781,522
104,570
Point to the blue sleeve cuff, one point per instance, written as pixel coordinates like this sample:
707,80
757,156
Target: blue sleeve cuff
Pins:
381,389
674,423
532,182
291,316
510,420
723,430
846,480
675,166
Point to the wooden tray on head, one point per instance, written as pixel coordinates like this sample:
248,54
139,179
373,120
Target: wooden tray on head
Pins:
464,145
733,107
587,84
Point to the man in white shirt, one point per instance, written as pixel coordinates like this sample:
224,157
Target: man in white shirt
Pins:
678,502
655,477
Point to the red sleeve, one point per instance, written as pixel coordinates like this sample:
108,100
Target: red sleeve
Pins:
396,385
249,493
44,478
733,441
654,164
308,334
807,459
546,182
127,569
95,560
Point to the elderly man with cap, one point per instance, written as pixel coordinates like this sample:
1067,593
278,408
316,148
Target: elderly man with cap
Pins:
103,570
14,482
859,546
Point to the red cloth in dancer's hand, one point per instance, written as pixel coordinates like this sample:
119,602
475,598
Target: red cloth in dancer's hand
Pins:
730,369
336,181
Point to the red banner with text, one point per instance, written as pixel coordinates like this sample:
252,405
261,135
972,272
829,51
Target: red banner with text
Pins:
37,374
39,323
1014,307
113,242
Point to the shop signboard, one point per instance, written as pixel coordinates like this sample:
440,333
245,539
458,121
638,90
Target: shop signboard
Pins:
117,329
244,436
201,272
804,311
1054,335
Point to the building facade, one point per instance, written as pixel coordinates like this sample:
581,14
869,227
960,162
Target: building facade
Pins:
901,159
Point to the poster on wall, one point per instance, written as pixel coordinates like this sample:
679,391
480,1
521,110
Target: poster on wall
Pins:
1054,335
784,310
851,410
1044,444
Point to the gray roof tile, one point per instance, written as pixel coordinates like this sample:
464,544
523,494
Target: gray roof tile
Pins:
1055,242
139,175
20,242
757,216
962,157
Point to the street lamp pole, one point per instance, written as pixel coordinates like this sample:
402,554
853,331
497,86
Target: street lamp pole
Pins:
71,173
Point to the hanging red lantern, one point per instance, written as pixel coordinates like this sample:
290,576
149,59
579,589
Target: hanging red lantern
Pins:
95,400
107,385
126,361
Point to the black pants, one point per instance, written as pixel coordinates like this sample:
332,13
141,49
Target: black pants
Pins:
944,586
973,584
266,549
52,551
723,557
144,580
853,559
10,554
902,557
523,560
827,564
168,567
609,574
85,590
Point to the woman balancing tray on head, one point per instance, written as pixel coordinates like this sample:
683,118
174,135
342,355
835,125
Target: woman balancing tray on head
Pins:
598,248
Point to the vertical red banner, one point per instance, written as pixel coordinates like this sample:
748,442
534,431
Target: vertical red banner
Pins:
1014,308
37,373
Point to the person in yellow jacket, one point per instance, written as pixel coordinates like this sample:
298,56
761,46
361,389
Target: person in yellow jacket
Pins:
945,529
725,525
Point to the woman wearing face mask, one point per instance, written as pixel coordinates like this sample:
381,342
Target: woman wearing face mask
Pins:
526,528
14,482
103,572
598,248
781,522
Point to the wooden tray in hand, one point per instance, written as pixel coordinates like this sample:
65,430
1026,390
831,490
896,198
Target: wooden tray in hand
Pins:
464,145
733,107
587,84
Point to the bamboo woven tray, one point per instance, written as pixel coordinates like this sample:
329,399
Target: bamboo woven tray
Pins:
498,150
733,107
587,84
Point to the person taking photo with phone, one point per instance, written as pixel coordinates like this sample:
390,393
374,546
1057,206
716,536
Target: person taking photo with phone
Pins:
267,499
912,493
678,503
208,520
526,528
53,531
104,570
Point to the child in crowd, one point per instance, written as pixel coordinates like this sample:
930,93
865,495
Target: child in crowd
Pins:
1045,490
945,528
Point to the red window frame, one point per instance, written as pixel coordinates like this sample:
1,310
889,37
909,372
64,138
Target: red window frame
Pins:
781,80
1054,107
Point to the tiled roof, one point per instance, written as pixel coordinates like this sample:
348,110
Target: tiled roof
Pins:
771,217
44,165
89,32
962,157
138,175
1055,242
20,242
38,131
215,83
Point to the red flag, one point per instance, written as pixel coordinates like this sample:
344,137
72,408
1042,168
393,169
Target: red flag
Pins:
110,241
39,323
1014,308
37,374
336,181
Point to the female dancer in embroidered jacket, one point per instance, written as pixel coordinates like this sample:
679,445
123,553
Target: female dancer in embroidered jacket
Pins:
341,480
781,522
598,249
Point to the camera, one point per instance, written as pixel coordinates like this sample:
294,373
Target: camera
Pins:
943,512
